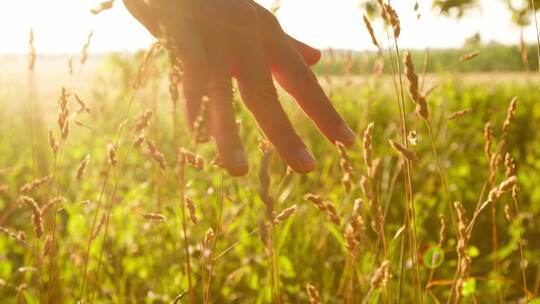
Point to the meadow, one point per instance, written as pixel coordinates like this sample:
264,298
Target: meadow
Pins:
105,197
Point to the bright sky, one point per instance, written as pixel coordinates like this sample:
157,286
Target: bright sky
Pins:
61,26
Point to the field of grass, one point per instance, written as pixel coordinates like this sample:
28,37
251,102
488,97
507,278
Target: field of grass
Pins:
145,225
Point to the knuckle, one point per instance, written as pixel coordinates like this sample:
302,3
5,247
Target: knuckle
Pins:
283,135
235,11
245,13
220,91
261,94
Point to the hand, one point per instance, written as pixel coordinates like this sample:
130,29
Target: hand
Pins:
217,40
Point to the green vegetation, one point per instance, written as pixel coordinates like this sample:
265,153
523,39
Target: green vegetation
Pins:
144,261
491,58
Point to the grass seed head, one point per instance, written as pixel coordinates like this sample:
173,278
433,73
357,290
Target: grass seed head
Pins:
82,167
404,152
314,297
32,61
191,207
381,275
154,216
36,215
469,56
460,113
367,144
369,28
284,215
111,152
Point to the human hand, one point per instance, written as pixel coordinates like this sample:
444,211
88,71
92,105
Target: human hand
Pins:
217,40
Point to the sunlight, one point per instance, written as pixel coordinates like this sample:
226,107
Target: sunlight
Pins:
61,26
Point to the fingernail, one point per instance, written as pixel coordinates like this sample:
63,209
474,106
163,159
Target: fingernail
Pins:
305,162
239,158
239,163
346,135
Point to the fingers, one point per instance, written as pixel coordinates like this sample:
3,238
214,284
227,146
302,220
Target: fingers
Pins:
294,75
310,54
167,20
186,38
259,95
144,13
270,24
222,122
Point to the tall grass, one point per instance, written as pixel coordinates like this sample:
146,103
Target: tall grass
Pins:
390,221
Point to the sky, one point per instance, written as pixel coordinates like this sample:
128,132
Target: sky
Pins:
61,26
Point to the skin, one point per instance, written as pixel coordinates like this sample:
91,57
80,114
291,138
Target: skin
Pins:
217,40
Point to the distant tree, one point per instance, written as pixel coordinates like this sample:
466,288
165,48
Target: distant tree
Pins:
521,9
454,8
473,42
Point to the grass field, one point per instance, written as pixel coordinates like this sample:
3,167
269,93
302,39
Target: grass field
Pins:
144,224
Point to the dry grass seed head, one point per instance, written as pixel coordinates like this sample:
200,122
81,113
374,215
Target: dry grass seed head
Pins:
154,216
63,113
357,207
32,61
331,213
70,66
418,98
346,167
53,143
83,106
193,159
208,236
515,192
138,141
316,200
469,56
265,145
284,215
442,231
111,152
381,275
404,152
394,20
510,165
412,138
36,215
82,167
367,144
371,32
21,238
100,225
509,115
488,134
523,51
47,206
143,121
84,51
191,207
35,184
508,213
314,297
460,113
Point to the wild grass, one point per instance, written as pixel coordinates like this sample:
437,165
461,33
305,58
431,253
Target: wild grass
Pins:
401,217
